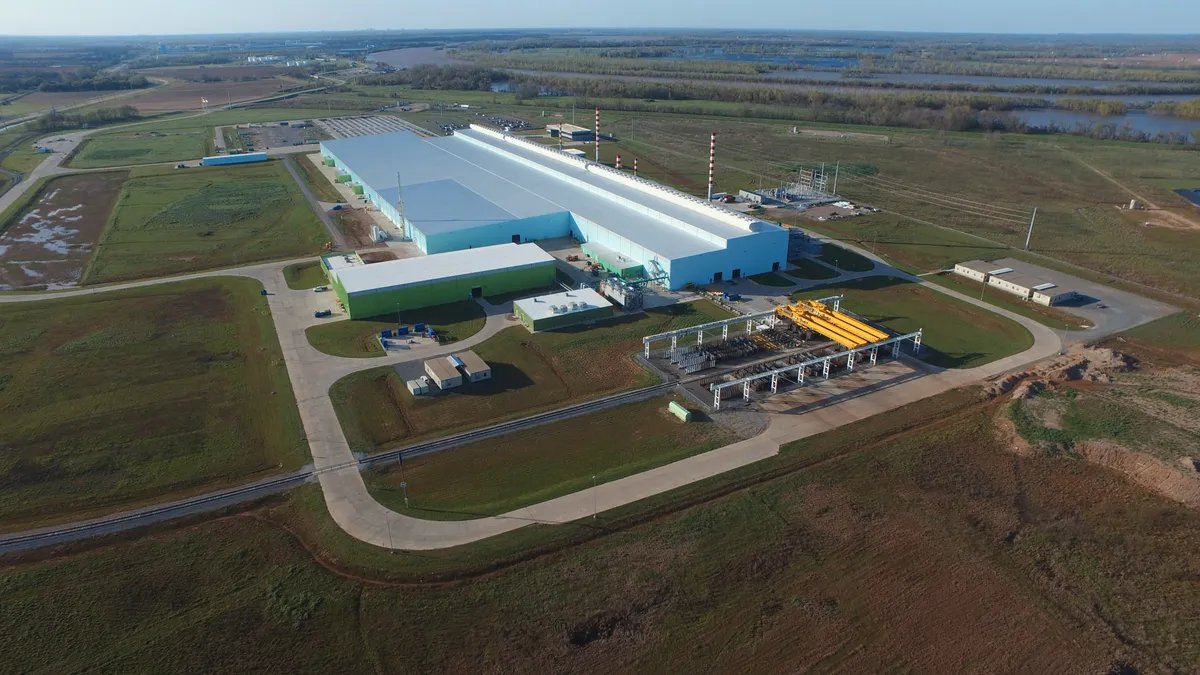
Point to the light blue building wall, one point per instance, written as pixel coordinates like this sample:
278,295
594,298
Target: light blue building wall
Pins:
741,256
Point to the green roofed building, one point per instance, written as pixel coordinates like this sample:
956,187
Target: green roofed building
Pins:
548,312
412,283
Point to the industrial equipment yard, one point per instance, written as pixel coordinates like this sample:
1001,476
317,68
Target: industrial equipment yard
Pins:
448,367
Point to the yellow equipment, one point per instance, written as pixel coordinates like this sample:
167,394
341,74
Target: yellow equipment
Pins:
841,328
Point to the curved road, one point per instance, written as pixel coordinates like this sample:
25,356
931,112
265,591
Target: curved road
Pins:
312,373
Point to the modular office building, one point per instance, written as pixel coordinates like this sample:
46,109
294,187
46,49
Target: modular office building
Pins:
480,187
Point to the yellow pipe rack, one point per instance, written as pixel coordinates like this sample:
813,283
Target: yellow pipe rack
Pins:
841,328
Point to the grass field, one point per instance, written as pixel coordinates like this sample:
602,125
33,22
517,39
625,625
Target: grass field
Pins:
170,221
1047,316
505,473
890,544
138,146
319,184
130,396
1169,339
23,159
810,270
957,335
844,260
305,275
358,338
530,372
772,279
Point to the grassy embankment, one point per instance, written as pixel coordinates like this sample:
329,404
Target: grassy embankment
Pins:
319,184
139,396
956,334
915,515
170,221
505,473
808,269
358,338
304,276
772,279
529,373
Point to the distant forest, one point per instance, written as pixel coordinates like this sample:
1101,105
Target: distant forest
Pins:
83,79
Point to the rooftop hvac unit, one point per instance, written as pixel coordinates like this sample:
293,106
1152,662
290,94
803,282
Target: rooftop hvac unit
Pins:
574,306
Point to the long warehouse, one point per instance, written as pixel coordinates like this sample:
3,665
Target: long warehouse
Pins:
388,287
480,187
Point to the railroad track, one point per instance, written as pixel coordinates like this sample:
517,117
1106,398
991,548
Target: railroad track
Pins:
126,520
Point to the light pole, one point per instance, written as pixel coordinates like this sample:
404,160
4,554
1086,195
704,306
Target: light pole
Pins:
1030,233
593,497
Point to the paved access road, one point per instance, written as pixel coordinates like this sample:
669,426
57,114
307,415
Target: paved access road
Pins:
356,511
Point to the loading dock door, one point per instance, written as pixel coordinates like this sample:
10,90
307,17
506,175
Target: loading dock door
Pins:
516,239
477,292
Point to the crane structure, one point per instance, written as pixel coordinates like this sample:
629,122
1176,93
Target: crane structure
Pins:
832,323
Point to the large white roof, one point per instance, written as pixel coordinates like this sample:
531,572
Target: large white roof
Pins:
440,267
477,177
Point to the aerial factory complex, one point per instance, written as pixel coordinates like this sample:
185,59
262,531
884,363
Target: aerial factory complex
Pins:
479,188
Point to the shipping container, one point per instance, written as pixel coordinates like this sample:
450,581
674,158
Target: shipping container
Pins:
246,158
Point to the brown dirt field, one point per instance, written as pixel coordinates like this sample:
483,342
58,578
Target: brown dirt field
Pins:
1160,60
187,96
224,72
58,98
356,224
377,256
49,244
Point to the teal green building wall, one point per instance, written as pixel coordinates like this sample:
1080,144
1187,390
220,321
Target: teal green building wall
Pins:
562,320
387,301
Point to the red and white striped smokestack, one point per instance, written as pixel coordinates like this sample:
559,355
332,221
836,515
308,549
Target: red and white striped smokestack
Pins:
712,158
618,162
597,133
635,167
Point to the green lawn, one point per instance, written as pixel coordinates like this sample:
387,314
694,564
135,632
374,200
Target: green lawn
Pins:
508,472
169,221
305,275
844,260
530,372
1047,316
358,338
137,146
957,334
772,279
135,396
809,269
23,159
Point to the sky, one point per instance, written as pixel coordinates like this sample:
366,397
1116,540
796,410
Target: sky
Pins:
161,17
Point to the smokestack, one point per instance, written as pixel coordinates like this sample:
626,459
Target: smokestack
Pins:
712,157
597,133
635,167
618,162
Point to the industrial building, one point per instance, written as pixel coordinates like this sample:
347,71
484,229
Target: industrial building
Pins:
442,372
473,367
411,283
244,158
1009,280
547,312
480,187
570,132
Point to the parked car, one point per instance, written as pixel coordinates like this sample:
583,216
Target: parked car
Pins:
322,313
320,289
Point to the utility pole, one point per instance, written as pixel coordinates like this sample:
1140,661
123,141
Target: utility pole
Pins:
1031,222
837,169
593,497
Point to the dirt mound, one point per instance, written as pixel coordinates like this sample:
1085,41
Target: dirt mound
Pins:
1081,362
1145,470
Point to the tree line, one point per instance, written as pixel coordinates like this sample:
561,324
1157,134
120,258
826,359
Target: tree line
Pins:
55,121
84,79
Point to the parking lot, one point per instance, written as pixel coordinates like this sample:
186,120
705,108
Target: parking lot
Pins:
348,127
261,137
511,123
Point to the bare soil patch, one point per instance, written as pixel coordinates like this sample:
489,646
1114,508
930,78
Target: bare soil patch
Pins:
377,256
188,96
225,73
356,225
48,245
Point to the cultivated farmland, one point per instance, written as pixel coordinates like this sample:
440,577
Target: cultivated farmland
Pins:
187,96
131,396
47,244
169,221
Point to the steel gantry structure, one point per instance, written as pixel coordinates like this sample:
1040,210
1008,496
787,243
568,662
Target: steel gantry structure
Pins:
824,362
770,316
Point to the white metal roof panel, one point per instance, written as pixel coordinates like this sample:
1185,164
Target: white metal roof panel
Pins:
440,267
1044,286
542,306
